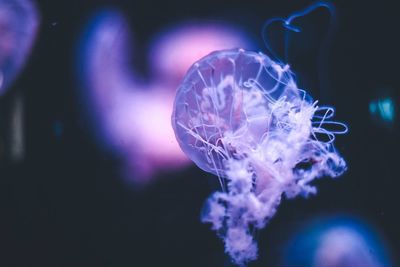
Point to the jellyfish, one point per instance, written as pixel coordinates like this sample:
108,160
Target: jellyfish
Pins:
117,94
19,21
337,240
240,115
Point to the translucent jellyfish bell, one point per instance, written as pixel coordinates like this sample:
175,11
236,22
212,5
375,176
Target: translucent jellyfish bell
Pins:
239,115
226,95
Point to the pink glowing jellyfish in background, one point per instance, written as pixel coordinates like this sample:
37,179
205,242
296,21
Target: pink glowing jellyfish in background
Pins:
338,241
240,115
132,114
19,22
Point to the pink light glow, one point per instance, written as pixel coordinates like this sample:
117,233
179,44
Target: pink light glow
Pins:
132,117
175,51
345,247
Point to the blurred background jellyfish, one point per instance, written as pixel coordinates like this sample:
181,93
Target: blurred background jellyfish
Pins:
175,50
19,22
383,108
240,115
336,242
130,110
18,27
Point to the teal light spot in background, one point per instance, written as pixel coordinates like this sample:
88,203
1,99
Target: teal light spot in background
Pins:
383,109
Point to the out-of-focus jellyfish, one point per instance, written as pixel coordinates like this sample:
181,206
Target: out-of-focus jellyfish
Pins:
18,26
336,242
173,52
383,110
240,115
132,115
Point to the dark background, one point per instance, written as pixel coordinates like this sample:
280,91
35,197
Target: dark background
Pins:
64,204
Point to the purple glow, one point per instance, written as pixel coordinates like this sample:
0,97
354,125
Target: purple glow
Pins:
241,116
175,51
133,116
339,242
18,26
343,246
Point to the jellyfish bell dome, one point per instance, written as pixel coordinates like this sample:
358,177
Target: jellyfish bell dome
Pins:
229,105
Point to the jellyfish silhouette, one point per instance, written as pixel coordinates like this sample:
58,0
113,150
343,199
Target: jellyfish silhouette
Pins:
240,115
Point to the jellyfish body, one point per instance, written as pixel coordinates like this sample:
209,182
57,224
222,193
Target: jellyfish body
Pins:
240,115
